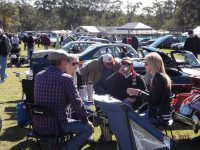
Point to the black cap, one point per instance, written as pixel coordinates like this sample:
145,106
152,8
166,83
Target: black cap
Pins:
190,32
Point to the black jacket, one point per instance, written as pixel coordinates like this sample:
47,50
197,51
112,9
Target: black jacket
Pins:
79,80
158,97
117,85
3,47
192,44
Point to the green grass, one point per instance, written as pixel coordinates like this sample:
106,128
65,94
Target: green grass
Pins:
13,137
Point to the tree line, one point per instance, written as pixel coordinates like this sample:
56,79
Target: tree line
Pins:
67,14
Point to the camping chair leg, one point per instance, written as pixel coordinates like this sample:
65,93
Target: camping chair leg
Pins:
171,132
39,143
118,147
28,135
166,132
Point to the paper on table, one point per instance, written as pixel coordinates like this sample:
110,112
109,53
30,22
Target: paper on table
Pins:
105,98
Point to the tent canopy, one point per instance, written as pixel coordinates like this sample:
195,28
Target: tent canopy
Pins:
88,29
136,28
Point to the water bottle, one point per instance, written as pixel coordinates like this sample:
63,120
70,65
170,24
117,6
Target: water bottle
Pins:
90,90
83,93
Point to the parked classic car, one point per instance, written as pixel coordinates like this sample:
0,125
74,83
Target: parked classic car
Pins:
178,46
179,65
77,46
95,51
164,42
101,40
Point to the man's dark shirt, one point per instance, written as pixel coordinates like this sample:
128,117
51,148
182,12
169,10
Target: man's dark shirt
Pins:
117,85
192,44
30,42
56,90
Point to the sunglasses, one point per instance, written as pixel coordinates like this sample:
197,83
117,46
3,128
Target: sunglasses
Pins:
75,63
126,64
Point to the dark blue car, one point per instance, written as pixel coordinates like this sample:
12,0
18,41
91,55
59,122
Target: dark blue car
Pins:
97,50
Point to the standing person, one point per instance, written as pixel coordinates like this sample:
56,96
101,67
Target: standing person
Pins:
15,40
5,48
124,39
135,43
158,98
38,40
46,41
30,45
125,78
61,39
24,39
98,70
73,69
55,89
192,43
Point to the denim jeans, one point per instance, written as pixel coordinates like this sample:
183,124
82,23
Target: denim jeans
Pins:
3,62
29,53
82,131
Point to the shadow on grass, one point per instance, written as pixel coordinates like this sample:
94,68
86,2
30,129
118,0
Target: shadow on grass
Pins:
12,102
30,145
188,144
33,145
102,146
181,126
12,112
13,134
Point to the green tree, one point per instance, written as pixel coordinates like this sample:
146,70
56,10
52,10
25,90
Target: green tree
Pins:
8,15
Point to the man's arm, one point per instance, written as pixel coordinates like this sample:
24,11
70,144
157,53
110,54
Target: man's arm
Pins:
86,70
77,103
75,100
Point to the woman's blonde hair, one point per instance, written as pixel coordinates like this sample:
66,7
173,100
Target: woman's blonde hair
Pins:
155,61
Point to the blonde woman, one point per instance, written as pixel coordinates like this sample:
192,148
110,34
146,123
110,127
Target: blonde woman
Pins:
158,98
73,69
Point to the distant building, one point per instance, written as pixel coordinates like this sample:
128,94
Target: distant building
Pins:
133,28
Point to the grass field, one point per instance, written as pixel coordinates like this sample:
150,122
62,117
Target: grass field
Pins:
12,137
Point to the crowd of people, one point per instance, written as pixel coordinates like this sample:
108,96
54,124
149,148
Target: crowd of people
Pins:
57,87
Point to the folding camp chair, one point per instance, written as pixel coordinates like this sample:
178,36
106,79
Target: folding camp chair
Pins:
131,131
44,112
28,90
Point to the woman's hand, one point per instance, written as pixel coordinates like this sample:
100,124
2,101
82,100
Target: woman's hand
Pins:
132,91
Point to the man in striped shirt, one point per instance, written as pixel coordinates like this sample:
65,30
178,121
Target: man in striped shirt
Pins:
55,89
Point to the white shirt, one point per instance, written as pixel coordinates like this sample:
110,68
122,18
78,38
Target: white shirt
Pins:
15,40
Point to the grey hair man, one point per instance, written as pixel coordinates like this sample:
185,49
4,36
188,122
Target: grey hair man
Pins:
55,88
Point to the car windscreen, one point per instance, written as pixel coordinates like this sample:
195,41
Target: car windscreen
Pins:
186,59
89,49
